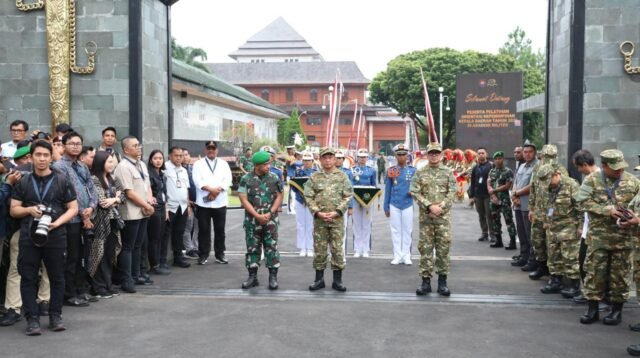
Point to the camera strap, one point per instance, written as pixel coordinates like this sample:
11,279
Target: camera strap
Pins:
611,192
42,194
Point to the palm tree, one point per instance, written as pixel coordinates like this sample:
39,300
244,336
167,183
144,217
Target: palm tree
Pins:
189,55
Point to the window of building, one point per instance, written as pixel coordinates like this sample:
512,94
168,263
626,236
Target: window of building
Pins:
265,94
346,121
311,138
313,95
314,121
345,95
289,95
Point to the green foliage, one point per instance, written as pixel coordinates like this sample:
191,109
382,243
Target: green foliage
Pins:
287,128
189,55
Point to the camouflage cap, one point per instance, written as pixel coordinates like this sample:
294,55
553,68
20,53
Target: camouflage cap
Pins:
327,150
546,171
614,159
434,147
549,151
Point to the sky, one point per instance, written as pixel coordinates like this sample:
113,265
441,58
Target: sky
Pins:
371,33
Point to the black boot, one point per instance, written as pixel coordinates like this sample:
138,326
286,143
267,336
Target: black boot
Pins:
273,278
425,287
498,242
532,265
252,281
443,290
512,244
592,314
337,281
572,290
580,299
542,270
554,285
615,317
634,350
319,281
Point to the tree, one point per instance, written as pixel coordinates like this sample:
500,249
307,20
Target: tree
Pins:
189,55
287,128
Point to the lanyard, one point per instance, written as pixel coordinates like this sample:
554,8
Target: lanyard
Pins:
41,195
553,194
215,164
610,191
137,167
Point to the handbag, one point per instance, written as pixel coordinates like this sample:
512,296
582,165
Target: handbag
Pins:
119,220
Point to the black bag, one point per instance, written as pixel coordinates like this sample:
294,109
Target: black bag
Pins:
119,220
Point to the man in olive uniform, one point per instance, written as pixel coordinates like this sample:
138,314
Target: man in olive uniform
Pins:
498,185
260,193
328,193
434,188
561,222
537,214
245,164
603,194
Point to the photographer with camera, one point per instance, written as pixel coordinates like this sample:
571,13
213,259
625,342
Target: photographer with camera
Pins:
44,201
80,228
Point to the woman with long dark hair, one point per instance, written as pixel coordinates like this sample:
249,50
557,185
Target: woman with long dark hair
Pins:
105,248
156,236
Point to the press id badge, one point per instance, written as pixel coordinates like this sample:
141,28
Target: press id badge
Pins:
178,184
550,212
480,180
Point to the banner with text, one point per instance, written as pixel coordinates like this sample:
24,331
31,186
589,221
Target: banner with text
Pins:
486,111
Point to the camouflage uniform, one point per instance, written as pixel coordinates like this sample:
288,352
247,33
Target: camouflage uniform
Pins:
499,177
561,220
261,192
609,246
635,207
433,185
327,192
247,164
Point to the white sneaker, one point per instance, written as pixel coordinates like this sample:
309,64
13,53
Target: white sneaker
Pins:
395,262
310,253
407,261
302,252
365,254
356,254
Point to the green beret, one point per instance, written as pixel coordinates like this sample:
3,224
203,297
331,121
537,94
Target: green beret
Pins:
498,154
261,158
21,152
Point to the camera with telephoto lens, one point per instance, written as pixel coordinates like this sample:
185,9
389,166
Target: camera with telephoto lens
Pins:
42,224
41,135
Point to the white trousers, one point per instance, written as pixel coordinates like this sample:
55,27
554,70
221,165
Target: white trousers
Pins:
361,228
401,227
304,225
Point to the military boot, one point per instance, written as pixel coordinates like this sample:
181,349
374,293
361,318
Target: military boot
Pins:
634,350
580,299
273,278
425,287
542,270
337,281
554,285
592,314
572,290
512,244
252,280
318,283
532,265
498,242
615,317
443,290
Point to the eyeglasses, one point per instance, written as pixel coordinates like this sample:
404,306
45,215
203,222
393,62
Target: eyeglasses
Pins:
17,130
75,144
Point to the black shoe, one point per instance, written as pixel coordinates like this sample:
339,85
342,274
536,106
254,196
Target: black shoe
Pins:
615,317
87,297
515,258
542,270
554,285
252,281
10,318
56,324
580,299
497,244
425,287
128,288
33,327
221,260
337,281
492,239
572,290
141,281
273,278
103,294
635,327
180,262
512,244
443,290
634,350
318,283
43,308
530,266
159,270
592,314
192,254
202,261
483,238
76,302
520,262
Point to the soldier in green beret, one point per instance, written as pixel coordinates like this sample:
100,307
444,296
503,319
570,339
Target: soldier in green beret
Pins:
605,196
434,188
260,193
328,193
499,183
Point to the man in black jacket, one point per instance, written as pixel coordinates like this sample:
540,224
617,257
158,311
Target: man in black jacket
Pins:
479,195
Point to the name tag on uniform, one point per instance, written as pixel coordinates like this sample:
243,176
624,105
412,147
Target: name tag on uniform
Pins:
178,184
550,212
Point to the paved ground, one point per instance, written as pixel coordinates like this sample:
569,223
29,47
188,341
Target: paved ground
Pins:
495,310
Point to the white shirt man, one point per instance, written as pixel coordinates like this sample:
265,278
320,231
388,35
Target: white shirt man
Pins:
177,184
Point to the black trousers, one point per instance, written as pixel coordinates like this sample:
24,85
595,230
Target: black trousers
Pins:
176,227
29,260
75,276
102,279
129,259
156,237
219,217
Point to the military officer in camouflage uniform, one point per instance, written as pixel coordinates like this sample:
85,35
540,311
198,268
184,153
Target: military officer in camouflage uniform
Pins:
537,214
328,193
245,164
610,245
260,193
561,222
499,183
434,189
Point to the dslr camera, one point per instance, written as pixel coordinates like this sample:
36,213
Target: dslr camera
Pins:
41,232
41,135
